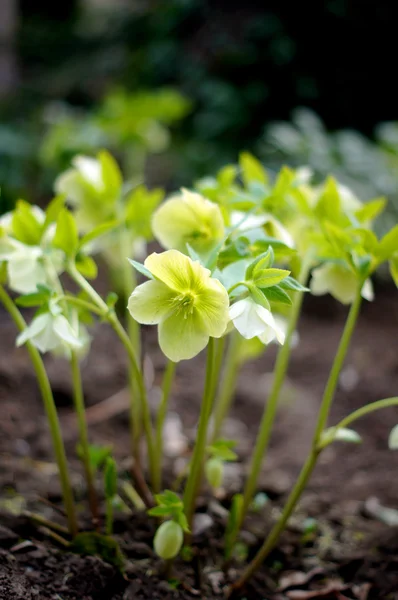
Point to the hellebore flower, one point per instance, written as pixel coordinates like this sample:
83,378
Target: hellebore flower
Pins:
93,186
51,331
191,219
187,304
267,222
252,319
340,282
24,268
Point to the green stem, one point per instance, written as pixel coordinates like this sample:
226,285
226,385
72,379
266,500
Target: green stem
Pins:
228,384
89,306
268,418
51,411
108,516
336,368
195,470
310,463
135,369
133,330
78,398
365,410
168,378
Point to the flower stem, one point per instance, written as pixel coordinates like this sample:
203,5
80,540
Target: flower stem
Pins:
228,384
195,471
78,398
51,411
268,418
365,410
135,369
168,378
133,330
108,516
310,463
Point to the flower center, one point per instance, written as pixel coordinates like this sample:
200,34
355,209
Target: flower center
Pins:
185,303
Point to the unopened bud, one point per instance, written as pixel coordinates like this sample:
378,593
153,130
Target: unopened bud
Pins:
214,469
168,540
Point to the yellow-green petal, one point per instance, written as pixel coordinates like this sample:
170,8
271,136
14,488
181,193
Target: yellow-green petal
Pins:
176,270
182,338
212,305
151,302
188,219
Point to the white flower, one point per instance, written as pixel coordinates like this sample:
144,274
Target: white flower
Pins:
340,282
271,226
51,331
252,320
24,267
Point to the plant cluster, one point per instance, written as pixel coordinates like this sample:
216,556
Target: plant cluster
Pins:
239,250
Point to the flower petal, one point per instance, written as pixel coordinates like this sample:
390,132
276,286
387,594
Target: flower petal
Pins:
176,270
151,302
250,319
25,273
188,219
335,279
182,338
35,328
212,305
64,331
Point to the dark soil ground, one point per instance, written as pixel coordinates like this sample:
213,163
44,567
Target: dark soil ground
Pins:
350,551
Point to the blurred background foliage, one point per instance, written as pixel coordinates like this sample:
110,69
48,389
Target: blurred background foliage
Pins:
181,86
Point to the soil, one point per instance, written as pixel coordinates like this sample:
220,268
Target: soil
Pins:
349,550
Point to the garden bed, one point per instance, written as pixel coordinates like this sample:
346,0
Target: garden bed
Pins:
347,553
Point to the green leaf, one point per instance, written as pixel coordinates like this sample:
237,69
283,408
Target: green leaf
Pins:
111,299
388,245
92,543
371,210
36,299
97,454
140,268
393,438
140,206
160,511
98,231
87,266
182,521
328,206
26,227
110,478
277,294
262,261
53,210
233,524
66,236
259,297
222,449
394,269
270,277
289,283
252,170
111,174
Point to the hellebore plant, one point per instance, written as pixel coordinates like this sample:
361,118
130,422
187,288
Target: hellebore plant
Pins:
239,252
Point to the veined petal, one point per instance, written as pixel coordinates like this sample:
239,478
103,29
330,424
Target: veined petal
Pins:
35,328
151,302
177,271
64,331
182,338
212,305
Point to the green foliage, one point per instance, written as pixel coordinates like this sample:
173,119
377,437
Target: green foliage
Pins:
92,543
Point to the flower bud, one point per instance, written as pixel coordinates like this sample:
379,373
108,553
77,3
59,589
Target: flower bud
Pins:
214,469
168,540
